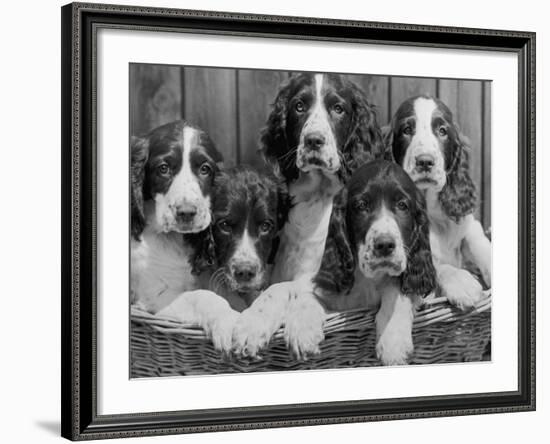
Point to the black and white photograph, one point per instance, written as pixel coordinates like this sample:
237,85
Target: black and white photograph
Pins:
306,220
274,221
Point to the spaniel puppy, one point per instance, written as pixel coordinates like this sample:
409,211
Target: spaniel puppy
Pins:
378,255
426,142
231,257
172,177
248,210
320,129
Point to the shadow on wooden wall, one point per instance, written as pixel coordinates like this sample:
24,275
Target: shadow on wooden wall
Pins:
232,106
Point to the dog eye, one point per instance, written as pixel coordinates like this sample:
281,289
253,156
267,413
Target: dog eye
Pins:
299,107
265,227
338,109
362,205
205,169
442,131
407,130
224,226
163,169
402,205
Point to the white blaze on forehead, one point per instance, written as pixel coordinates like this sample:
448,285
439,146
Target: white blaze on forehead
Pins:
246,251
184,193
424,142
385,224
185,186
319,111
424,109
318,89
318,122
190,136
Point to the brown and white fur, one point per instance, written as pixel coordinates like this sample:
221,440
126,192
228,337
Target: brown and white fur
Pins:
320,129
233,254
172,171
378,256
425,140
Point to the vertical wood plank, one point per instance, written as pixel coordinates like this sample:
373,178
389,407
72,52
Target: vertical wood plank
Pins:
376,89
486,208
464,99
403,88
211,103
155,96
448,93
257,90
469,117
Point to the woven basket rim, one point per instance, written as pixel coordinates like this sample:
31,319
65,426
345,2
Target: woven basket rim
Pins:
433,310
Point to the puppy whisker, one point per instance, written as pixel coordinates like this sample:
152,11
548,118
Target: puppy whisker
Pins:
220,285
217,279
289,153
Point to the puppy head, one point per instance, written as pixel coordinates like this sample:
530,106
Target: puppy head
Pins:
424,139
319,122
380,220
248,209
388,227
174,167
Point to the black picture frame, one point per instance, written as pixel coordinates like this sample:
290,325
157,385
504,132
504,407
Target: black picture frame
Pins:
79,396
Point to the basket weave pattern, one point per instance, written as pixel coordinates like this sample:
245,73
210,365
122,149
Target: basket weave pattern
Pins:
441,334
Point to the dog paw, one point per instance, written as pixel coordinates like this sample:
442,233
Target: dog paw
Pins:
394,348
460,288
257,324
304,333
251,334
221,332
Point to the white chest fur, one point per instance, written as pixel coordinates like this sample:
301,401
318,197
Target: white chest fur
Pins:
305,233
160,269
446,236
303,240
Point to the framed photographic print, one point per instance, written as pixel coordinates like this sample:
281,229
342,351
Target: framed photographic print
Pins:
277,221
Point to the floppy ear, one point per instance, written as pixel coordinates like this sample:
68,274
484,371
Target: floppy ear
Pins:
458,196
273,141
204,250
365,140
419,278
336,274
139,148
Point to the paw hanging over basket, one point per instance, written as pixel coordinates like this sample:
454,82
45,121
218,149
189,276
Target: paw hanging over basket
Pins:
441,334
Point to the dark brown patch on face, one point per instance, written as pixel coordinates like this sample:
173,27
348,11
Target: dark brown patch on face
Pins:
376,185
443,129
336,99
352,121
156,160
166,154
244,201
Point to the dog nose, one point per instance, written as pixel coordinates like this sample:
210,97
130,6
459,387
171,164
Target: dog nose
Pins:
425,162
314,141
383,246
245,272
186,215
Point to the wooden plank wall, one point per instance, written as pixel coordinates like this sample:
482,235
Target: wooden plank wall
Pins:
232,106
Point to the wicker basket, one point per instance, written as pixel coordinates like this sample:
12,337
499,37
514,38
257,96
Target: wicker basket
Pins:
441,334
